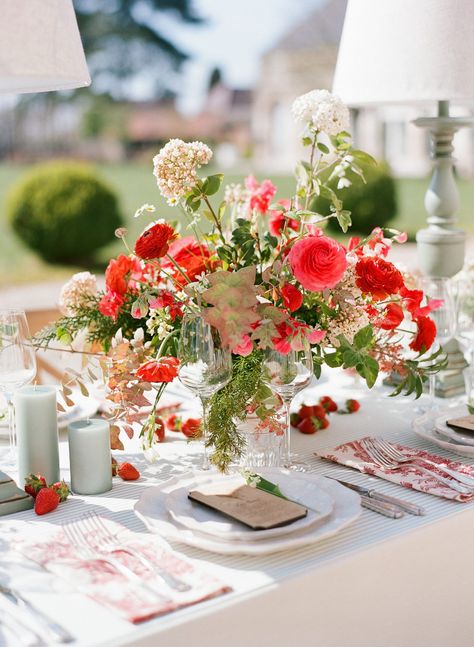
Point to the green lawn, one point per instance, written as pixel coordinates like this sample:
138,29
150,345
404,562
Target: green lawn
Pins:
135,185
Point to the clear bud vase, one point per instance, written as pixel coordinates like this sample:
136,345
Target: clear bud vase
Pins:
263,443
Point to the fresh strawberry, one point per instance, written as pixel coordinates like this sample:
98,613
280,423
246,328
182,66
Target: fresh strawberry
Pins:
128,472
192,428
324,422
174,422
34,483
159,430
305,411
307,426
328,404
295,418
62,488
319,412
352,405
46,500
114,467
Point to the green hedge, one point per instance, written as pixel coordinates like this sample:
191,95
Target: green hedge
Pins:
373,204
63,211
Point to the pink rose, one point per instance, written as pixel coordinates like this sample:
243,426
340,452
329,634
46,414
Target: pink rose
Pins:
318,262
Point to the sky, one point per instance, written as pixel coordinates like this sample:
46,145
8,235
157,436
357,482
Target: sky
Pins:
235,35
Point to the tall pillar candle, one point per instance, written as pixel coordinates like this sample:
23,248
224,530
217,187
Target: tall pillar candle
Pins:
89,456
37,432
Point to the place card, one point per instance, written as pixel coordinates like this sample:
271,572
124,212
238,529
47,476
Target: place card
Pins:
255,508
464,423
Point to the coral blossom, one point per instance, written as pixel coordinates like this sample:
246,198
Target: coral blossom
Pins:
154,241
278,220
116,273
425,335
164,369
110,304
378,277
318,262
392,317
260,194
192,257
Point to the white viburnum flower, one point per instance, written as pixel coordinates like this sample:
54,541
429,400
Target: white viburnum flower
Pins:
75,292
175,167
323,110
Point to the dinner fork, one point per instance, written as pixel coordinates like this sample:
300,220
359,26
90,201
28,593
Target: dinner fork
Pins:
394,453
380,459
99,536
77,539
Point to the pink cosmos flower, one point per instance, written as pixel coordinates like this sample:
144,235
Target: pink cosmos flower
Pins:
318,262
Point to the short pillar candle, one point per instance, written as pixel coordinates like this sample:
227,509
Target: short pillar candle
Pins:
37,432
89,456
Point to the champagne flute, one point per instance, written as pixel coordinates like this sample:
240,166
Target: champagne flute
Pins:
205,366
444,318
17,368
286,375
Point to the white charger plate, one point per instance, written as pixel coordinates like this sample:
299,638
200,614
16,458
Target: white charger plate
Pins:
152,511
448,432
424,426
209,522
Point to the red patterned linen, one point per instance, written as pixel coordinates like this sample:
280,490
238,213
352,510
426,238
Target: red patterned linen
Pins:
107,587
353,455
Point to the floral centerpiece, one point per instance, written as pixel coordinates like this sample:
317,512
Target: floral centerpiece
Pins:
263,273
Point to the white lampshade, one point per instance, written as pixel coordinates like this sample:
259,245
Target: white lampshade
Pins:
40,47
406,51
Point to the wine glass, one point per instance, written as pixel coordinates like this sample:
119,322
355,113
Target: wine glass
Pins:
465,317
205,365
444,318
286,375
17,368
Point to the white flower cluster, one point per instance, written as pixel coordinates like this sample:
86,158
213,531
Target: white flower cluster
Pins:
175,167
325,111
158,323
235,194
74,292
349,320
145,208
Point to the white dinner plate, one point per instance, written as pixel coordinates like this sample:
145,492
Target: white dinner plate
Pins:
448,432
209,522
424,426
152,510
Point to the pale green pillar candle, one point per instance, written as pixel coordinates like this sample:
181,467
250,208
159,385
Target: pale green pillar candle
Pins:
89,456
37,432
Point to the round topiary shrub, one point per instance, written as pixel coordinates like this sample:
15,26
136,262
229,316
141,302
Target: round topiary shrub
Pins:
373,204
62,211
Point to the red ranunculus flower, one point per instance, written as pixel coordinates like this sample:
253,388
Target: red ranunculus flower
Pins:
412,300
318,262
192,258
110,304
116,274
154,241
425,335
378,277
292,297
392,317
164,369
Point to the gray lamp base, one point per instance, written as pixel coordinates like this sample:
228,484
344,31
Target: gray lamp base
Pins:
450,381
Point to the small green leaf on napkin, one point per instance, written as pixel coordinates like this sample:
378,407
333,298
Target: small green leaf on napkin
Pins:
255,480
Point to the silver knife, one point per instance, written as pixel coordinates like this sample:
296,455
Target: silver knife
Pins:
387,509
406,506
55,630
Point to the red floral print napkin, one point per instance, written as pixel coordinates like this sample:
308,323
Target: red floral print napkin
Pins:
129,599
353,455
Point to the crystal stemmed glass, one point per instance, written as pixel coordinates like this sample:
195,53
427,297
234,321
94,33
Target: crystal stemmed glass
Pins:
444,318
286,375
465,317
205,366
17,367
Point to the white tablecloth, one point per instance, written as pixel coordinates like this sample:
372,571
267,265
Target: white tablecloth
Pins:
378,582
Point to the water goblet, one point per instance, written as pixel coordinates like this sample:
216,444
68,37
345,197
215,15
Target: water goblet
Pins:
17,368
205,366
286,375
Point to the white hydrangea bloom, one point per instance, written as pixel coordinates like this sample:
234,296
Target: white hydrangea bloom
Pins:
325,111
75,292
175,167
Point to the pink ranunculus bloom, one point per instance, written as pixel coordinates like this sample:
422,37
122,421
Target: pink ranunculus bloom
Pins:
260,194
110,304
244,348
318,262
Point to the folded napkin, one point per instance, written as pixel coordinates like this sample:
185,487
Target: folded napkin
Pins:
353,455
108,587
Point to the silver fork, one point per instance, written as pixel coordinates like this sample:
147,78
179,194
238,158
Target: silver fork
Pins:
104,540
400,457
78,540
380,459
